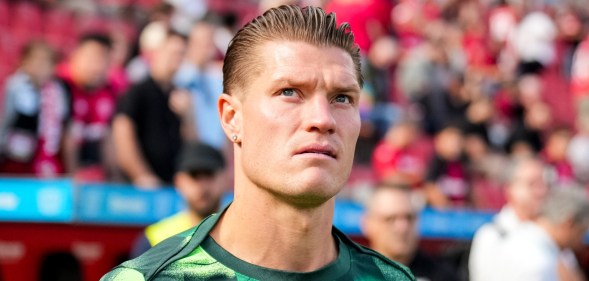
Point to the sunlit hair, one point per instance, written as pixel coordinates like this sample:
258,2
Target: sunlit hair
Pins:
285,23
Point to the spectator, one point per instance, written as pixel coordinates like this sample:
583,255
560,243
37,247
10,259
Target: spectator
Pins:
203,79
533,42
394,159
150,38
555,155
199,180
35,115
578,151
525,194
93,98
531,118
390,225
153,119
535,250
447,179
486,168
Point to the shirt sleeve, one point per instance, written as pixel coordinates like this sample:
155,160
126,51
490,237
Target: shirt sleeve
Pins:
129,104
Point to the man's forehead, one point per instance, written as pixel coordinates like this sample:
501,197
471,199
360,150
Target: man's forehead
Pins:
297,60
390,201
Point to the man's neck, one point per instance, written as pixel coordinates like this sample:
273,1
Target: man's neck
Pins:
163,80
261,230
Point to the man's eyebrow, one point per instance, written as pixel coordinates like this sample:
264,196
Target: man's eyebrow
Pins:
302,83
289,81
346,88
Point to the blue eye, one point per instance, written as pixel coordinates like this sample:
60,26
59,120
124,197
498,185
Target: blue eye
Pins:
343,99
288,92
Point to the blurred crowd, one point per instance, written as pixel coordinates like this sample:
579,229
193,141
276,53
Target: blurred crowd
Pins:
480,104
455,90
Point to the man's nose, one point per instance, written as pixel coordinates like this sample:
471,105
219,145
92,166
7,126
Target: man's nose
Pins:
319,116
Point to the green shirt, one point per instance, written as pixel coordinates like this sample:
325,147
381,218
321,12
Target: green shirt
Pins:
194,255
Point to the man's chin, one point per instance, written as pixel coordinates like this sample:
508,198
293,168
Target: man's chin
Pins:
310,196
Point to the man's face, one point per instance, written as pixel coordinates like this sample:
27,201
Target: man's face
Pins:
449,144
168,57
202,191
390,224
40,65
299,121
90,64
528,191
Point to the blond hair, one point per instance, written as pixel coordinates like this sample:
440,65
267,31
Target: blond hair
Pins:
309,24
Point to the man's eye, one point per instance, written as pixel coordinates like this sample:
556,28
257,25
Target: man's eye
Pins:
288,92
343,99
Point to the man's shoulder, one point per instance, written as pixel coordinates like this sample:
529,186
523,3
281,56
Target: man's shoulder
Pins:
155,258
367,261
164,254
123,274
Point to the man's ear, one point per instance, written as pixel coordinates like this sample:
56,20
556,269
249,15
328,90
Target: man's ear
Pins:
230,113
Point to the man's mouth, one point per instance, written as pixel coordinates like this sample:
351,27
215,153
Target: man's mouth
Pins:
318,149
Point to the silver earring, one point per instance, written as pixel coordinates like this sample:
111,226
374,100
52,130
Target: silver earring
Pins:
234,137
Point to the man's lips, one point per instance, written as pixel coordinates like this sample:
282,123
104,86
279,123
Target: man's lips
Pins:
318,149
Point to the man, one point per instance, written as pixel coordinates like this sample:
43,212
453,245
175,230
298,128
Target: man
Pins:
202,78
153,119
525,195
390,225
447,179
291,81
93,100
36,110
199,180
533,251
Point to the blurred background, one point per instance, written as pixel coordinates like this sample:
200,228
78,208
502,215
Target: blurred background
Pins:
98,98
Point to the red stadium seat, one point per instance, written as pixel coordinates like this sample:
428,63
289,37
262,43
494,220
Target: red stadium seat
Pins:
5,15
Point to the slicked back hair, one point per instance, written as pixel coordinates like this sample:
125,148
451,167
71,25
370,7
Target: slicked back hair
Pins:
285,23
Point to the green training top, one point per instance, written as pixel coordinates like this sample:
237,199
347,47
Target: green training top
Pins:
194,255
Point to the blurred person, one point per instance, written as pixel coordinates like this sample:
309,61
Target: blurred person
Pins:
292,82
555,156
186,13
153,119
36,111
534,42
199,75
150,38
525,193
447,179
88,147
534,251
443,101
390,225
531,117
199,181
486,169
578,151
580,81
393,157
